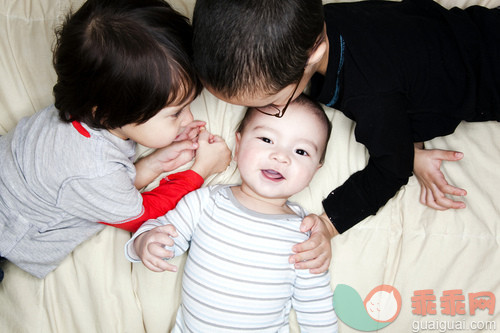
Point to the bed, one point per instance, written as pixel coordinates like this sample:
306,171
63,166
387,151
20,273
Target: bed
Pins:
441,267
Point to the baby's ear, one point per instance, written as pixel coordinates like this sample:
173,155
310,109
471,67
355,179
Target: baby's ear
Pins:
237,146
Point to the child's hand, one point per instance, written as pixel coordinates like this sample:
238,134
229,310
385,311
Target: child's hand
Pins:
150,247
191,131
316,252
434,186
212,156
163,160
175,155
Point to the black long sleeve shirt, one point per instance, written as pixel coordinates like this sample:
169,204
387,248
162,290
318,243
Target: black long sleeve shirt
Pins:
405,72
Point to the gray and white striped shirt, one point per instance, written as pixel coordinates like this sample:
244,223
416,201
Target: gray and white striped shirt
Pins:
237,276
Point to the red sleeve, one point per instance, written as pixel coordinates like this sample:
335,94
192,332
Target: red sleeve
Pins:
163,198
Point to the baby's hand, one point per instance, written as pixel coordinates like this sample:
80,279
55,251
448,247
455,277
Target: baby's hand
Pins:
212,156
191,131
433,184
182,150
150,247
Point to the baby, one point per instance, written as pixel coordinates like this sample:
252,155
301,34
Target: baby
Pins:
237,275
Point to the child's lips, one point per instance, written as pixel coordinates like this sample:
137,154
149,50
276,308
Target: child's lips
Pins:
272,175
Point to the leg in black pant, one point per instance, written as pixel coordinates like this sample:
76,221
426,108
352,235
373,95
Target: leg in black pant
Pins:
2,260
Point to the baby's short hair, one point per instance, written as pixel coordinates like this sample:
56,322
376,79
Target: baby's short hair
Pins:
304,101
244,47
121,61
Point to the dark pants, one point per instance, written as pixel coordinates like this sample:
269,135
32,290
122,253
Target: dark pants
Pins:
2,260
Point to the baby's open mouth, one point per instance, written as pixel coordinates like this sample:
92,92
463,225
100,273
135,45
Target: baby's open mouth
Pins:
272,175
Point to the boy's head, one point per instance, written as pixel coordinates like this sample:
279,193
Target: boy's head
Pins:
119,62
279,156
248,49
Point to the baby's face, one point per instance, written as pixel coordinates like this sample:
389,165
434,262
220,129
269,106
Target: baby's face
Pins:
278,157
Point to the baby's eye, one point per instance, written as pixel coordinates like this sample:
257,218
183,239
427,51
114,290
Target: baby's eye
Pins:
302,152
266,140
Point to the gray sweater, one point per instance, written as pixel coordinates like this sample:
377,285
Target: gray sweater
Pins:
56,181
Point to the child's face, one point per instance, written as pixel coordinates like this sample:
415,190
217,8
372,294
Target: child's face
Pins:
278,157
159,131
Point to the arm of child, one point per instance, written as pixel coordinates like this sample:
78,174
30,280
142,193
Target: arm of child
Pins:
152,243
384,127
212,156
150,248
433,184
313,302
162,198
315,253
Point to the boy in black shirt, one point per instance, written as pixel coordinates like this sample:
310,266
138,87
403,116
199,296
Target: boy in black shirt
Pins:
406,72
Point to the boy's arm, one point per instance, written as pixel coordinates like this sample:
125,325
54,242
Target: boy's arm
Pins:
383,126
313,302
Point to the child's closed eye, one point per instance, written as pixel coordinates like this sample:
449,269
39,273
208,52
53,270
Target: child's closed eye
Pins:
177,114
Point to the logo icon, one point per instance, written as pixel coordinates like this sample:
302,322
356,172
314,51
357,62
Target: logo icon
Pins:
380,307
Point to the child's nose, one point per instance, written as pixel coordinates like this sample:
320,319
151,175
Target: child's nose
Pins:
280,156
187,117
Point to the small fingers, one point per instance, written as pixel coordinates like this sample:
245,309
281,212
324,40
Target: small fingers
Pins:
451,190
436,199
318,262
159,251
447,155
307,250
159,265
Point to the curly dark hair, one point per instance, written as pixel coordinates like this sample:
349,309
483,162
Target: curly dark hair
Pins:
121,61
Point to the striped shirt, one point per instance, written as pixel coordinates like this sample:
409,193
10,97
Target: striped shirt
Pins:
237,277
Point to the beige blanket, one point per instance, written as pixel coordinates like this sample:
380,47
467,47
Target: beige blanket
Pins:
406,245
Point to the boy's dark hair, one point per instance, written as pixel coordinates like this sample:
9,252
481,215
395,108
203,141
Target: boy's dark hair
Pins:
244,46
314,107
120,62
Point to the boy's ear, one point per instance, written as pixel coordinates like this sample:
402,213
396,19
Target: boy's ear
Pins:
320,50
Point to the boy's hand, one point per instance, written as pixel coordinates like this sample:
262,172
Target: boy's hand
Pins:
434,186
212,156
150,247
315,253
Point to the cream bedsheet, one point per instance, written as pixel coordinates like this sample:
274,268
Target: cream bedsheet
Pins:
406,245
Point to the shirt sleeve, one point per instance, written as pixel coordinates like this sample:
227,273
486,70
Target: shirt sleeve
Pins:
383,126
313,302
114,199
184,218
162,199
